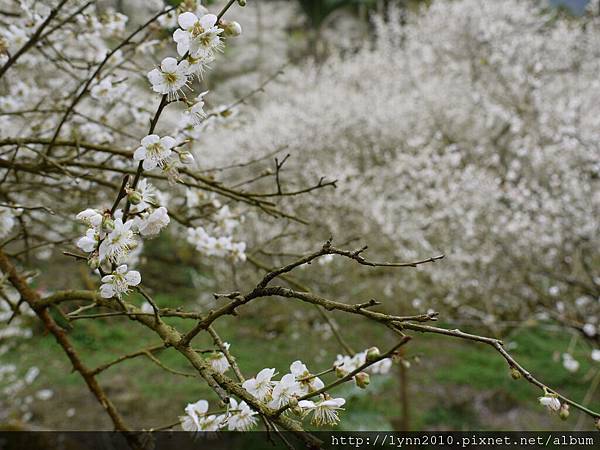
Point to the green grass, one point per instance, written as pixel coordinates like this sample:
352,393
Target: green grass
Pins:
534,350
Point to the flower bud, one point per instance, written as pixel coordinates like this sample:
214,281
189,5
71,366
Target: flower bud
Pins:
242,2
108,224
226,112
134,197
515,373
372,354
94,261
564,411
186,157
232,29
339,372
362,379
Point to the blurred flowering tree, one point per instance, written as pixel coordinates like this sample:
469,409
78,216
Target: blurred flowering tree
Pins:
102,124
477,140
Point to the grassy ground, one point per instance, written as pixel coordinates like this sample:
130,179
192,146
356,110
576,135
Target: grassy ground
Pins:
453,385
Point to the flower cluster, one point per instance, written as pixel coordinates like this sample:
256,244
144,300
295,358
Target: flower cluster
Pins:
237,417
276,394
346,364
113,235
291,391
198,39
110,241
223,223
213,246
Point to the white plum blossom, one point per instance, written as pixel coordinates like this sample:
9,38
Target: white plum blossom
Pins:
196,109
118,243
146,194
380,367
169,20
170,78
216,246
284,390
91,218
31,375
345,364
596,355
154,151
107,91
218,360
15,37
570,363
260,386
153,223
225,220
196,418
197,409
211,422
324,411
147,308
551,402
44,394
89,242
119,282
7,221
188,423
589,329
198,36
197,66
308,382
238,251
242,417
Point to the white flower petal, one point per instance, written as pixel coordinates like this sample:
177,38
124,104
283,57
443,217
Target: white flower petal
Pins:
133,278
168,142
208,21
107,291
149,164
169,64
183,47
150,139
139,154
154,76
187,20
